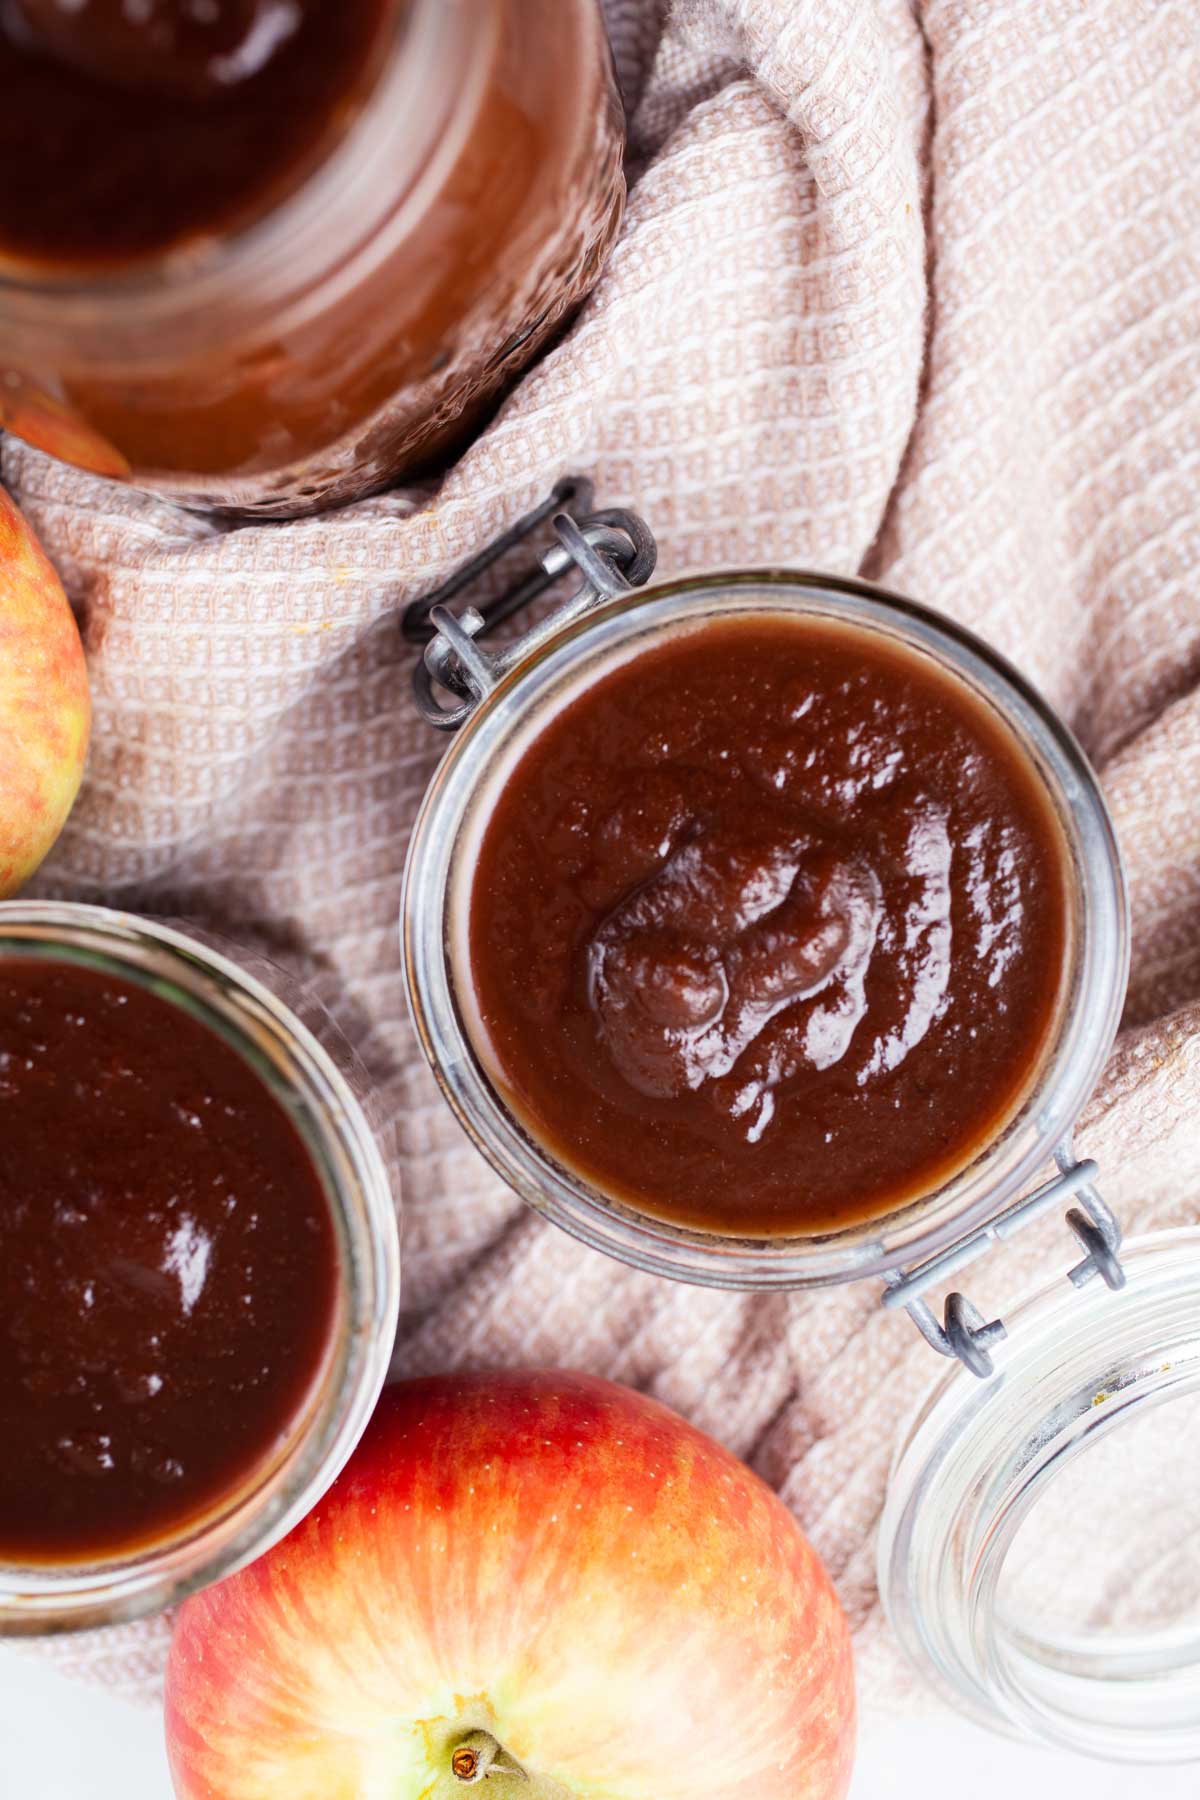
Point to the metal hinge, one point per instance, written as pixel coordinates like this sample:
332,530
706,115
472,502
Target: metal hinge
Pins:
613,551
965,1333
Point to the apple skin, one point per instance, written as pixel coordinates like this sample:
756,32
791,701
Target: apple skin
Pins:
541,1556
45,710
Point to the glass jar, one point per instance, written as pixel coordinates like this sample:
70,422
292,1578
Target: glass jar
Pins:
553,663
992,1496
360,328
312,1073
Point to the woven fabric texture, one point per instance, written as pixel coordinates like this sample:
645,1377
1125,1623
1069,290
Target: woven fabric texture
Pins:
911,289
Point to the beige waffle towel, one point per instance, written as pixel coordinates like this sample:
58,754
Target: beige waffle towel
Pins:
910,288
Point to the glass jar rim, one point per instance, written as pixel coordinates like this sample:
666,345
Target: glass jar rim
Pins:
302,1073
873,1249
970,1466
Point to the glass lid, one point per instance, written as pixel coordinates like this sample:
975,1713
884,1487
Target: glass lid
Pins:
1039,1554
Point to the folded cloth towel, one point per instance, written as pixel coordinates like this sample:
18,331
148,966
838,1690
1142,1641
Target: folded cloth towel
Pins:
907,288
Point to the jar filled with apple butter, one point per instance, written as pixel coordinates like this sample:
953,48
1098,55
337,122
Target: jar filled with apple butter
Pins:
264,256
762,929
198,1262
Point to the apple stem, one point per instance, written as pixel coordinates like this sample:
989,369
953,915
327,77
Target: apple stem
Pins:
479,1755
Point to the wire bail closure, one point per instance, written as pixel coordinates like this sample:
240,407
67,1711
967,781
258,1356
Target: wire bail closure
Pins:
965,1333
612,551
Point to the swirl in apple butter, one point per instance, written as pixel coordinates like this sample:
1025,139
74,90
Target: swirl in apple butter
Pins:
168,1272
768,928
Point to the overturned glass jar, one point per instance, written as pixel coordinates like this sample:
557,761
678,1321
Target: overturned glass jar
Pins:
270,321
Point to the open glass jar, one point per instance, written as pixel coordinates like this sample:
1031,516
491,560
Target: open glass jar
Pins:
305,1070
510,697
360,320
1013,1405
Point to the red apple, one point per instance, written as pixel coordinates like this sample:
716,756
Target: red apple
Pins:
537,1577
45,712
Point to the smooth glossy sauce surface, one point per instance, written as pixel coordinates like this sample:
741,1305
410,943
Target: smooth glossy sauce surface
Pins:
167,1266
768,928
128,126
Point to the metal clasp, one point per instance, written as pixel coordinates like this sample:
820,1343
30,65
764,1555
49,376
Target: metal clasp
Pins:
612,550
965,1333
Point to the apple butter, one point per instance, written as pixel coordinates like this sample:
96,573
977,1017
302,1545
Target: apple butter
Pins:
769,927
168,1269
266,255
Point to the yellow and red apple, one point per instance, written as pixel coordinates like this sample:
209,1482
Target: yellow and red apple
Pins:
540,1579
45,711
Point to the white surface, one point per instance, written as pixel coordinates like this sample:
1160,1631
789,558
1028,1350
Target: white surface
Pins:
63,1742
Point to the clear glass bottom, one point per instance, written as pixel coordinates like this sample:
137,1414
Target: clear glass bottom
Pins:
1039,1555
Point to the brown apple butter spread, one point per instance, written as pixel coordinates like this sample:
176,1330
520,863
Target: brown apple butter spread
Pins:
267,255
768,928
167,1266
